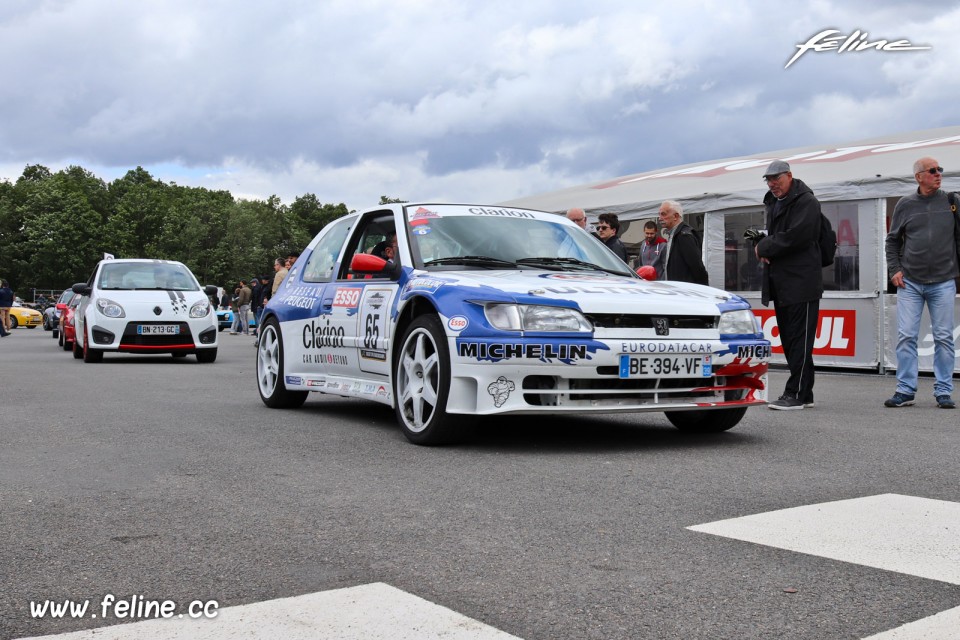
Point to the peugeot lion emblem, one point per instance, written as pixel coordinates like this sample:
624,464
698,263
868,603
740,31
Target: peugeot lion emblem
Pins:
662,325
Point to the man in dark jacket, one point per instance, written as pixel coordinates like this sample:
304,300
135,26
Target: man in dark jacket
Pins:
608,228
682,259
792,276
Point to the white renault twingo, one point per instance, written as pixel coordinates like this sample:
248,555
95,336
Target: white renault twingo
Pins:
144,306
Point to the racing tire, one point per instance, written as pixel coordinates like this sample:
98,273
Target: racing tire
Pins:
205,356
712,421
273,391
90,355
421,386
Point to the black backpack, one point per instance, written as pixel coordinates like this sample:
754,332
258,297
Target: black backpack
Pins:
827,242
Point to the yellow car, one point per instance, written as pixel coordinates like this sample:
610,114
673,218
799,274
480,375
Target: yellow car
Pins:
25,317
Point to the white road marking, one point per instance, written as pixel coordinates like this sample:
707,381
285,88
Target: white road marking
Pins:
942,626
914,536
368,612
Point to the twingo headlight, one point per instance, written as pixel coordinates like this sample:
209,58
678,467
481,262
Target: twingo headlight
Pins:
738,323
535,317
110,308
200,309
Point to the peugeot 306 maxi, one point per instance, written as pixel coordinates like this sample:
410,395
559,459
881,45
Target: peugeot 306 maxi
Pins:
446,312
144,306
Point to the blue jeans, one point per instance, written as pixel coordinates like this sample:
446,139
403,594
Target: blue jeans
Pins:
939,298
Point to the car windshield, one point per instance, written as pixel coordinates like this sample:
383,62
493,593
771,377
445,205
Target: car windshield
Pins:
494,242
130,276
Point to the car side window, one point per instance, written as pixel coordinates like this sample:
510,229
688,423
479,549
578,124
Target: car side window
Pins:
377,236
320,264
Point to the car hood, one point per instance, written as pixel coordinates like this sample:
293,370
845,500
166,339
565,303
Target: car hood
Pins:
594,292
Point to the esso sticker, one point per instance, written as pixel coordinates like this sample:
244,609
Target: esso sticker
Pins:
457,323
347,297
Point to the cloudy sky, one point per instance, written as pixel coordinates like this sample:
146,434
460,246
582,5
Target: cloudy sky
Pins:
451,99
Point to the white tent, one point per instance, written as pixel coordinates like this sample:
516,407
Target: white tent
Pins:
873,168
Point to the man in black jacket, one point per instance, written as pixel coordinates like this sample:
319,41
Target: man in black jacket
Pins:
682,259
792,276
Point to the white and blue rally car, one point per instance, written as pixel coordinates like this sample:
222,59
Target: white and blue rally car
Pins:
450,311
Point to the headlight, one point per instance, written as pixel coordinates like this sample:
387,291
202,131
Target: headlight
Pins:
110,308
200,309
738,323
533,317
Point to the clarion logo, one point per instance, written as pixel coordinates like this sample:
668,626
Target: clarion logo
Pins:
856,41
836,332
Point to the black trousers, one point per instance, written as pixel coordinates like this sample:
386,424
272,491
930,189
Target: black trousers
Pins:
798,330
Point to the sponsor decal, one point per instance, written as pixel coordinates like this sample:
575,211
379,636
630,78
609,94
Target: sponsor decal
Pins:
370,354
315,383
369,389
347,297
422,231
356,387
334,358
836,332
620,289
422,216
376,300
650,346
382,392
574,277
855,42
506,351
300,297
291,278
293,380
509,213
457,323
423,284
746,351
500,390
318,336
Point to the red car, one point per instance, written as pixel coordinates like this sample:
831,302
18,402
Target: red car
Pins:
68,333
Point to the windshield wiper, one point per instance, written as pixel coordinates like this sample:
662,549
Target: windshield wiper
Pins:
479,261
568,262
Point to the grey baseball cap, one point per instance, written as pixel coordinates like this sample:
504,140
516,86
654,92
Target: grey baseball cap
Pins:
776,168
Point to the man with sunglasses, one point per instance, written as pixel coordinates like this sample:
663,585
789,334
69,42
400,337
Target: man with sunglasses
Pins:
607,229
922,251
792,276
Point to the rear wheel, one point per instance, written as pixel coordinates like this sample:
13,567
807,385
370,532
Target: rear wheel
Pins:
206,355
273,391
713,421
89,354
77,350
421,385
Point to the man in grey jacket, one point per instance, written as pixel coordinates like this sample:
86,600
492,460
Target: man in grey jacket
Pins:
922,250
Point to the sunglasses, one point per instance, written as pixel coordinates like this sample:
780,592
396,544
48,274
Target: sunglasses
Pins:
602,227
933,170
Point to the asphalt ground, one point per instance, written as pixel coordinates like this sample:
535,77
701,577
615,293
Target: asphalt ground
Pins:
170,479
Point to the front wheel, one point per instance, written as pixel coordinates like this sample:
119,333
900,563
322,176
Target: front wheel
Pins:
13,321
206,355
712,421
89,354
421,385
273,391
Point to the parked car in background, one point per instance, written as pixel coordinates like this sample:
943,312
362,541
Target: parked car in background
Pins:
483,311
225,320
21,316
68,331
145,306
51,315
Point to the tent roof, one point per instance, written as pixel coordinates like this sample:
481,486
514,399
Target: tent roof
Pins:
873,168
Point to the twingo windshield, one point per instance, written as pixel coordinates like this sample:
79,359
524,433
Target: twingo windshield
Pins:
439,241
131,276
